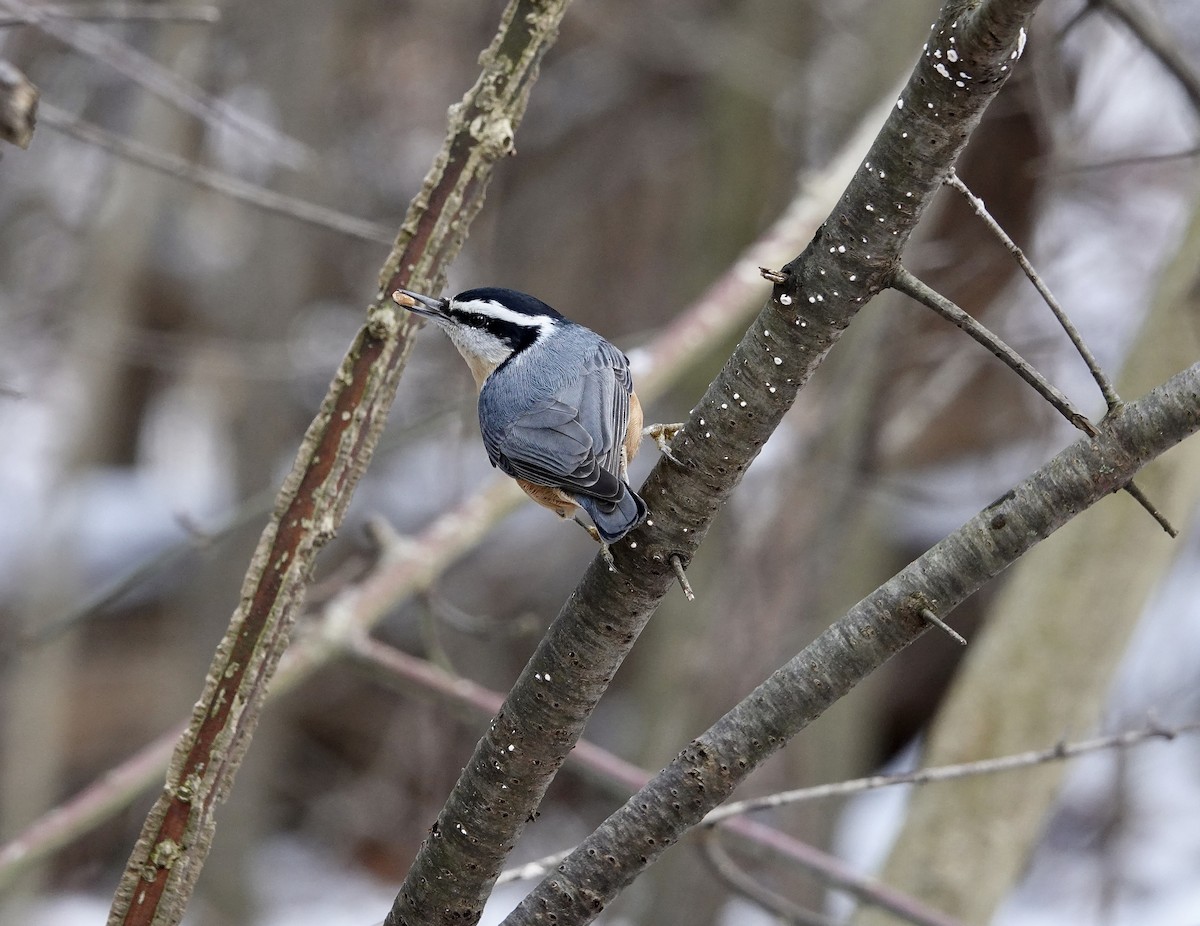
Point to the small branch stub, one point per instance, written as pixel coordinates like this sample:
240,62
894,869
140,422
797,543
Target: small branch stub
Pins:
677,565
941,625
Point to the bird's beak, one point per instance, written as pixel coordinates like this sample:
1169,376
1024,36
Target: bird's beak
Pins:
421,305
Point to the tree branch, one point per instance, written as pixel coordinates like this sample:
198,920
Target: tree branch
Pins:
904,282
226,185
851,259
875,629
1020,760
166,861
1111,399
161,81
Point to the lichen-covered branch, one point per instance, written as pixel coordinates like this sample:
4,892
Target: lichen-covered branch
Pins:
166,861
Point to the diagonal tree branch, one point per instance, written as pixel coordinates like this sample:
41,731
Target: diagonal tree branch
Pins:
395,666
161,81
874,630
970,54
1014,761
904,282
166,861
227,185
1103,383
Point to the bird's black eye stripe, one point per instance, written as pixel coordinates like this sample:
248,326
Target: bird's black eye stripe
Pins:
516,336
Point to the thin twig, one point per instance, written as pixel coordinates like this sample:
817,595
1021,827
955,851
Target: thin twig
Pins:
903,281
99,801
175,166
1021,760
681,576
106,10
1134,491
162,82
943,626
1111,399
742,882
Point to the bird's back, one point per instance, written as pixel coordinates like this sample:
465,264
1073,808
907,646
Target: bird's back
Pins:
557,414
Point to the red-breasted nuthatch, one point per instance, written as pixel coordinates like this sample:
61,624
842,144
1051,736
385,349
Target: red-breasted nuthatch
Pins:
557,408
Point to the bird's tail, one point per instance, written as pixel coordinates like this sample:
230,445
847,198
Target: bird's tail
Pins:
615,519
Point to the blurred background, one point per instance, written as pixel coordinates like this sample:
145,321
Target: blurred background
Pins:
163,347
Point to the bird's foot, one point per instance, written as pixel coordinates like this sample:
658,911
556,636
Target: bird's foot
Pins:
662,435
605,552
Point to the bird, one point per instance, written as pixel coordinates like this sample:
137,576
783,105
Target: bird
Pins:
557,408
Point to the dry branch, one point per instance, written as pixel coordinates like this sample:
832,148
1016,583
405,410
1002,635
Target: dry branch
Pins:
225,184
165,863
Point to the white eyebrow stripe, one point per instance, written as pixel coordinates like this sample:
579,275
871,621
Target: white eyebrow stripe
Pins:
500,313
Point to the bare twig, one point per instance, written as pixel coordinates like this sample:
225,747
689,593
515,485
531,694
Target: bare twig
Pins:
1056,753
941,625
218,182
120,11
161,81
681,576
903,281
99,801
731,873
1102,381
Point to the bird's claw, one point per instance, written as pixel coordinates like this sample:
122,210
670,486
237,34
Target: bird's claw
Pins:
662,435
605,552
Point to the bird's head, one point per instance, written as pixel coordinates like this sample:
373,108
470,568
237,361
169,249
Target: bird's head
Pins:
488,326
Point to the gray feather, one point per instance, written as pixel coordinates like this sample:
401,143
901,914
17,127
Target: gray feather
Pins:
556,415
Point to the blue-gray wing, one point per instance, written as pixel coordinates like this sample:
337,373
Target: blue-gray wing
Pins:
571,439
